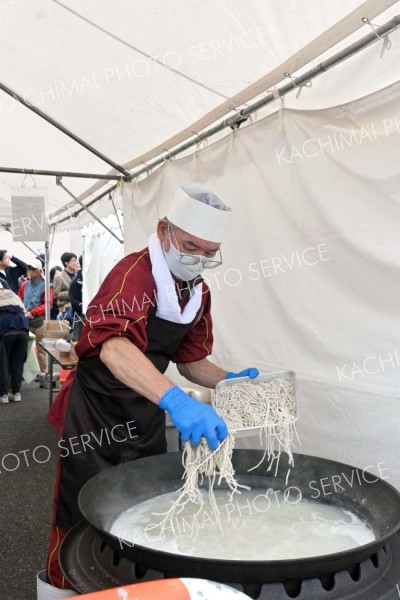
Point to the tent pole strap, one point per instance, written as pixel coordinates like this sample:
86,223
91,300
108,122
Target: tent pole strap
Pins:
67,132
59,182
116,213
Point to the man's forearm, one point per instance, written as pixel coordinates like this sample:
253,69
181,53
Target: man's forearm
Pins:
128,364
203,372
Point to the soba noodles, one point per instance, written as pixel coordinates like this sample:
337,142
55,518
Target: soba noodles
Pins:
201,463
272,407
268,405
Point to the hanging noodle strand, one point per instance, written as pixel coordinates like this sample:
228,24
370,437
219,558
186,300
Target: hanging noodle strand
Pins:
202,464
270,406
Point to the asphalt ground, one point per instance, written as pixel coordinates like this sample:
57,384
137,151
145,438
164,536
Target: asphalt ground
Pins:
28,456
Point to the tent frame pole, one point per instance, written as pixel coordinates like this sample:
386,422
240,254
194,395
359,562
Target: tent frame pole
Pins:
64,174
67,132
59,182
47,273
79,210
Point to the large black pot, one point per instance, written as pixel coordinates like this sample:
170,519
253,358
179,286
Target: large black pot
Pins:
113,491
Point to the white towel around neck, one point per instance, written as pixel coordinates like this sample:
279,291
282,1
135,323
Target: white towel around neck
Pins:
167,299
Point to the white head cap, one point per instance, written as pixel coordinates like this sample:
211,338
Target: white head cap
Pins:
200,213
35,263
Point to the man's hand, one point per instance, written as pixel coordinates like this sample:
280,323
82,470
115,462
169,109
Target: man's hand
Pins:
29,314
252,372
193,419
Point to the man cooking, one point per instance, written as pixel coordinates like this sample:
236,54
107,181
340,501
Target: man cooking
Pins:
152,308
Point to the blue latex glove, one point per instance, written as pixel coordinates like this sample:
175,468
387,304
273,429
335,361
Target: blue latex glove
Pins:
193,419
252,373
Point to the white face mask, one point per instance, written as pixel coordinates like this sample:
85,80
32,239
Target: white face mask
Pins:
180,270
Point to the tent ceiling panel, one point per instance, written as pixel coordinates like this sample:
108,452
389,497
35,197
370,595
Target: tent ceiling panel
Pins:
225,46
109,93
128,75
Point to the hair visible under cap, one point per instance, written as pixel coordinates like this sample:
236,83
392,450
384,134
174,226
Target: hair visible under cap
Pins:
205,197
53,271
2,254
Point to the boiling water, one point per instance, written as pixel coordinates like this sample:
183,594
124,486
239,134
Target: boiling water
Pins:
255,525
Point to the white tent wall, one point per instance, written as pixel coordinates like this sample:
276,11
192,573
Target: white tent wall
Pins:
101,252
308,277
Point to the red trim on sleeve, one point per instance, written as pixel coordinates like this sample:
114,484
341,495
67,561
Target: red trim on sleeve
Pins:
120,308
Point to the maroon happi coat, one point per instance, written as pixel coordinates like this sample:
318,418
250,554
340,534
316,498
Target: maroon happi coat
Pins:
101,421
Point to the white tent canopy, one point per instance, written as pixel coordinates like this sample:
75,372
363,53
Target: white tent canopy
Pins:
309,279
127,76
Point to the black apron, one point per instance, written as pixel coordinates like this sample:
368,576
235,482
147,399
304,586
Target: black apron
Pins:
107,423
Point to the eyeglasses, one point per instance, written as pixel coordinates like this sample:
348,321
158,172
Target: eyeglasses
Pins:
191,259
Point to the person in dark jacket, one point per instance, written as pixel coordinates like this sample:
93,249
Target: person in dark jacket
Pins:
75,294
14,333
9,275
54,272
